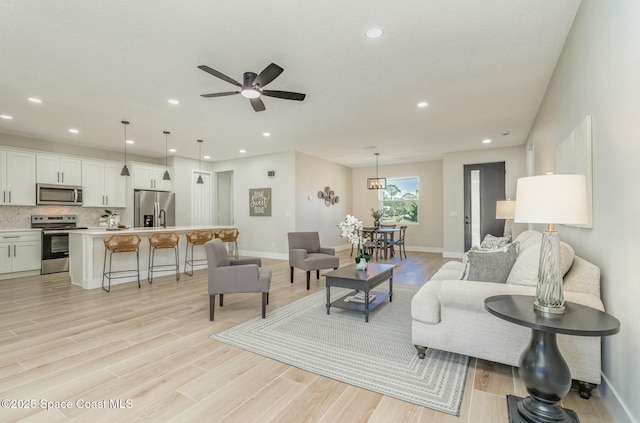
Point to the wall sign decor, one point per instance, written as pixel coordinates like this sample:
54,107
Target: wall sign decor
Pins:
574,157
259,201
329,197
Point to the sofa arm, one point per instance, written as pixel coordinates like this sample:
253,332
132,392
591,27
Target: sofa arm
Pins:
238,262
425,304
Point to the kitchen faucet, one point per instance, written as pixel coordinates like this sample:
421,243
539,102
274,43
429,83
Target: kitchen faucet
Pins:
162,216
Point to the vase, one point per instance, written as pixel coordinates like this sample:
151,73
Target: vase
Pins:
361,263
376,223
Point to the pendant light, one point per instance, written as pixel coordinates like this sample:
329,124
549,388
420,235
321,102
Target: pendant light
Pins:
199,181
166,176
125,169
377,183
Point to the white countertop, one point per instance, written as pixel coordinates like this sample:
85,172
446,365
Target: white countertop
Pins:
19,230
178,229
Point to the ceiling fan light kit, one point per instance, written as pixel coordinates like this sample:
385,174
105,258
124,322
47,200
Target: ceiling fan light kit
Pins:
252,86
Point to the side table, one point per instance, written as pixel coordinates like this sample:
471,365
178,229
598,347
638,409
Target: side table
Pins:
542,368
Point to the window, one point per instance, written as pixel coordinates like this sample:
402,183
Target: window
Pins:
400,200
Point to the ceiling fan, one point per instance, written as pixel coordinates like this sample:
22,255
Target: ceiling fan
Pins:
252,87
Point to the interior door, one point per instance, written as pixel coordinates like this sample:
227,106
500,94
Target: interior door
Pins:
484,184
200,199
224,198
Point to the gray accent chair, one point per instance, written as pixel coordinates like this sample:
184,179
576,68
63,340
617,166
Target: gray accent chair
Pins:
306,253
234,276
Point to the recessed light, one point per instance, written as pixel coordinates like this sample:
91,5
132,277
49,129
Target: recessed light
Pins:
129,141
7,117
243,151
374,32
73,131
173,101
207,157
35,100
266,134
172,150
423,104
486,141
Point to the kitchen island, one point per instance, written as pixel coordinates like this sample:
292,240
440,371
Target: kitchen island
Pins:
86,253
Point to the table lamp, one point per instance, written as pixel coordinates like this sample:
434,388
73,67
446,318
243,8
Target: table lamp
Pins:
506,209
551,199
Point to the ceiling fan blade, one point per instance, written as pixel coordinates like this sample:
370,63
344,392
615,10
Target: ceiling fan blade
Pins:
220,94
287,95
269,73
219,75
257,104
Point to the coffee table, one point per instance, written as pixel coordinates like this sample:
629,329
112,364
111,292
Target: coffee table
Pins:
360,280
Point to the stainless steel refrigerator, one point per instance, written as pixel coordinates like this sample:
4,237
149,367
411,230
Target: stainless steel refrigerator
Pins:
154,209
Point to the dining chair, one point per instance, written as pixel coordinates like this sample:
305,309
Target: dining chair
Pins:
400,242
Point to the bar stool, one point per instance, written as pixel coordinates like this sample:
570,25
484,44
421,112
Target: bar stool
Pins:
229,235
198,237
163,240
128,243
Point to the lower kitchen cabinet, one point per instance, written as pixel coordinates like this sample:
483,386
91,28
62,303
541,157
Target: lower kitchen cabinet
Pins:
20,251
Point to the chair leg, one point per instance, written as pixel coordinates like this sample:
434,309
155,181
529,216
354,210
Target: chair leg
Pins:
177,263
221,297
318,274
212,303
291,274
150,271
265,301
308,279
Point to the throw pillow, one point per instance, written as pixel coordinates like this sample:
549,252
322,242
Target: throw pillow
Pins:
491,266
491,242
525,269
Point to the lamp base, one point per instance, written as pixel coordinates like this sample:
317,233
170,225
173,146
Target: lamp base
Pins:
548,310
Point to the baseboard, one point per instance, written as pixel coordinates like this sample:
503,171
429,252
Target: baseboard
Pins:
449,254
616,406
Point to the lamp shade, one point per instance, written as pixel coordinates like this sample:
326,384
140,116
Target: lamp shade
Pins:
552,199
505,209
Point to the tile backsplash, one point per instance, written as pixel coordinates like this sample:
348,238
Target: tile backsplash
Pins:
19,217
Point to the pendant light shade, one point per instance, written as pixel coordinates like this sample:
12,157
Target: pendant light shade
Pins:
125,169
166,176
200,181
377,183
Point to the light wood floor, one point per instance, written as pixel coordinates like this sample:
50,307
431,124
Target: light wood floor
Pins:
151,347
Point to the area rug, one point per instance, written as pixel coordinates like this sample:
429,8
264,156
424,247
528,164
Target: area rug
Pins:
377,355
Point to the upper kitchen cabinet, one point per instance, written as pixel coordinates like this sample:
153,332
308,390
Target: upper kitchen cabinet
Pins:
59,170
147,176
17,178
103,186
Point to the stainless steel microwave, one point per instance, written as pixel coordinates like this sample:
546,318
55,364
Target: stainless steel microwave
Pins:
60,195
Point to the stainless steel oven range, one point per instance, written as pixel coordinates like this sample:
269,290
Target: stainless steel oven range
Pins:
55,240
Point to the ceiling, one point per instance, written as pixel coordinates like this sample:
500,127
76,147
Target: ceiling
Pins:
483,67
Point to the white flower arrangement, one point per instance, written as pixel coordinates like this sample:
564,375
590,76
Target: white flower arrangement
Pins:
351,228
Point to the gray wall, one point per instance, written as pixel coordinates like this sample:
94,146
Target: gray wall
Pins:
598,74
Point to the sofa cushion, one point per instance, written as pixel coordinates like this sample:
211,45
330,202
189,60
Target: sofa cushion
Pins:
529,238
448,271
491,242
491,266
525,269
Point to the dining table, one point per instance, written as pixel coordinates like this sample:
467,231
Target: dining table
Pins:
387,232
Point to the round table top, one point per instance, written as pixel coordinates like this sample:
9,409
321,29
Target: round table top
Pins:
577,319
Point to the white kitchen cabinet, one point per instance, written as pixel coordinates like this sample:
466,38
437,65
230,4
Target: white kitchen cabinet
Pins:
61,170
17,178
102,184
20,251
150,177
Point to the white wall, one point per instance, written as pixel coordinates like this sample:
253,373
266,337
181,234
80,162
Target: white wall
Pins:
312,175
598,73
453,183
263,236
427,234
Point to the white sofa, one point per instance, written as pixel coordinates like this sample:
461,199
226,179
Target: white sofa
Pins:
448,314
